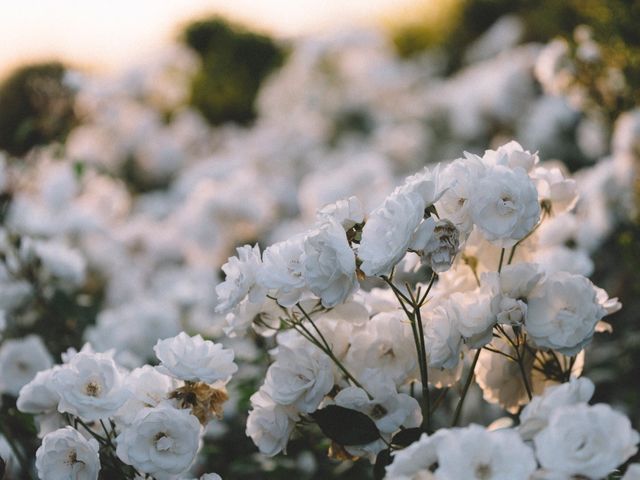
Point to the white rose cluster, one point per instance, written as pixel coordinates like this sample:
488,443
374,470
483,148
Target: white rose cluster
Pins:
560,436
149,418
456,248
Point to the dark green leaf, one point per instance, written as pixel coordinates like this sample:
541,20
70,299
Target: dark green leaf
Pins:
406,437
382,460
346,426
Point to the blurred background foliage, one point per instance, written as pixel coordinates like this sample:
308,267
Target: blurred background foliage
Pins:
235,61
36,107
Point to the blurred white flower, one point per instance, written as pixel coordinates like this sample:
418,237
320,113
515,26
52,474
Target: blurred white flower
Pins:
195,359
585,440
65,454
20,360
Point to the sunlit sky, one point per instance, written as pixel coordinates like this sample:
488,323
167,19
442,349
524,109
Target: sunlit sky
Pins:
108,34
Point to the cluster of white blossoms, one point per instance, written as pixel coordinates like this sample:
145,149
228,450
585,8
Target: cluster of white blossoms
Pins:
560,436
376,315
149,420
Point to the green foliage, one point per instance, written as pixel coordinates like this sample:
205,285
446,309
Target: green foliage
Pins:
346,426
35,107
235,62
614,24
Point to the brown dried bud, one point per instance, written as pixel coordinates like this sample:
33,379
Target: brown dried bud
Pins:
204,400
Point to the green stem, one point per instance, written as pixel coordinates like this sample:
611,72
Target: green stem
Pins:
501,260
465,390
22,459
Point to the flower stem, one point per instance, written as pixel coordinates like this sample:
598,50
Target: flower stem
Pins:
465,390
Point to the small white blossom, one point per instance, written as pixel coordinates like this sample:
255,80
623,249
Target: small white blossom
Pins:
282,271
474,452
329,264
66,454
90,386
504,205
161,441
194,359
347,212
241,276
563,313
269,424
535,416
299,377
585,440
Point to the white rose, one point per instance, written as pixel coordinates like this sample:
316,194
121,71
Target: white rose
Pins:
65,454
20,360
194,359
511,155
148,388
329,264
563,312
385,341
585,440
389,230
443,341
269,424
417,460
535,416
347,212
299,377
282,272
471,315
90,386
504,205
474,452
160,441
240,281
500,378
559,194
459,178
39,395
510,289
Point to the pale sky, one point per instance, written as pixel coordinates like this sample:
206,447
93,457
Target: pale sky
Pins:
108,34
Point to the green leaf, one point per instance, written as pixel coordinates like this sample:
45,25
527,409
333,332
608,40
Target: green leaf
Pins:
346,426
382,460
406,437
